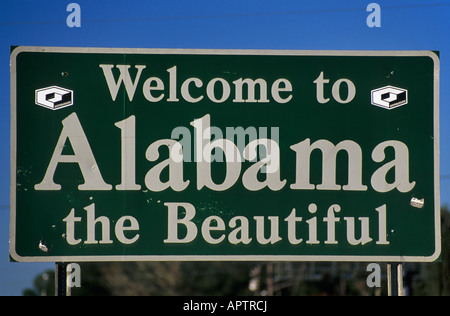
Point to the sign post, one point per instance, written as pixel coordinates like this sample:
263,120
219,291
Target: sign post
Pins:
395,279
136,154
62,289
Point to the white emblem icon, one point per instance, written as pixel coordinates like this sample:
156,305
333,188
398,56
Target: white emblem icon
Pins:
54,98
389,97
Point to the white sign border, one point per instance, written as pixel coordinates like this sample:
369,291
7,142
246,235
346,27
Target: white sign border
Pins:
16,51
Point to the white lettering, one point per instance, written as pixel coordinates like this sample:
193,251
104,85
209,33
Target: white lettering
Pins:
292,228
218,90
351,91
185,90
243,231
331,221
183,227
148,88
365,238
174,222
128,141
204,148
120,228
153,178
70,221
251,84
173,84
271,161
207,227
104,224
83,156
400,164
320,83
382,226
226,90
260,235
329,156
92,222
277,88
124,77
320,90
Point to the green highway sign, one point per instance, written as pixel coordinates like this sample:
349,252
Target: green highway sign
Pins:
152,155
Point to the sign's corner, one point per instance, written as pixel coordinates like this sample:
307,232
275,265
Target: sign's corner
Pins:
11,258
12,48
437,256
435,56
14,53
14,256
437,53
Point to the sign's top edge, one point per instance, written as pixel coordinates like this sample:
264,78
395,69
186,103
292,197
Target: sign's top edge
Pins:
15,50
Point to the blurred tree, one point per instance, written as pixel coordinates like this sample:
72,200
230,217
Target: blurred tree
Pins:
164,278
435,279
43,285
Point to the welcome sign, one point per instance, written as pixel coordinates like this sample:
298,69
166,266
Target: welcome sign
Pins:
136,154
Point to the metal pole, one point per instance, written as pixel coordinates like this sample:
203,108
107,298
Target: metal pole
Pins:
400,279
395,279
389,279
61,288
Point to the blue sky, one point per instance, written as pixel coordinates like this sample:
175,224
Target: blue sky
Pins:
229,24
